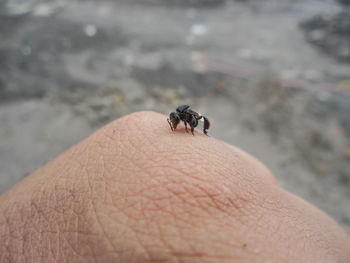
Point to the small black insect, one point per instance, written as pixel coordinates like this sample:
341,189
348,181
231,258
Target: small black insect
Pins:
185,114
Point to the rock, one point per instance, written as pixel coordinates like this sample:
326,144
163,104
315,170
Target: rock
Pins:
330,34
344,2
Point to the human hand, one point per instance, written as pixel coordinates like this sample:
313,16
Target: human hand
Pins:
136,192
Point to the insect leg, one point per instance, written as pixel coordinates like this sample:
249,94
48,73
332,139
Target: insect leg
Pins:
171,127
192,129
186,126
193,123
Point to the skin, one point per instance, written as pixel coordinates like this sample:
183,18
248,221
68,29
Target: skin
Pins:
135,191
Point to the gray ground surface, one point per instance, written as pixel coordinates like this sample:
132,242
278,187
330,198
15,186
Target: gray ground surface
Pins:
68,67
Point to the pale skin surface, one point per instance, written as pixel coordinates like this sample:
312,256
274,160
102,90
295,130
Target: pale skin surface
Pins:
136,192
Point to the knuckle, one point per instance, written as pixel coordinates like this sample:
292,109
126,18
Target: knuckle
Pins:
153,182
206,176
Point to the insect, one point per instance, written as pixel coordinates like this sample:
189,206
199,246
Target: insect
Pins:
188,116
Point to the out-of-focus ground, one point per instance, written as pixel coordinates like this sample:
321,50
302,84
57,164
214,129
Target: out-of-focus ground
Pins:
272,76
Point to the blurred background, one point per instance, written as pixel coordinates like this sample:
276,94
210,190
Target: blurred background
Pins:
272,76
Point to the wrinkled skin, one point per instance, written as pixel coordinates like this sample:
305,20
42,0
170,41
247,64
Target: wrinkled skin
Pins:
136,192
